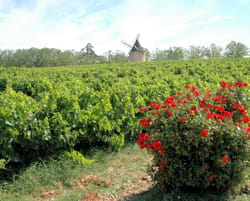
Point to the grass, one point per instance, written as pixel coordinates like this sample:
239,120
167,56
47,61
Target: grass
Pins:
64,179
113,176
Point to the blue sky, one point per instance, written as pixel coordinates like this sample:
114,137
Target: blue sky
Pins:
65,24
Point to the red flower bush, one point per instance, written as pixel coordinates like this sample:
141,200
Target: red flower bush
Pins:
202,137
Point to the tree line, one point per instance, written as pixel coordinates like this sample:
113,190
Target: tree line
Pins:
233,50
35,57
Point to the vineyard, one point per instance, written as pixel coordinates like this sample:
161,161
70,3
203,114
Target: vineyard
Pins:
46,110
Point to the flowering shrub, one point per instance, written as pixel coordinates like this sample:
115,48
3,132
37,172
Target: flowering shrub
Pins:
199,140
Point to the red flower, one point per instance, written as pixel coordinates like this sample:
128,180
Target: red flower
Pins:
152,103
196,93
224,159
169,99
161,150
219,108
210,116
204,100
209,95
194,89
141,109
179,93
204,167
223,84
241,108
210,105
230,86
207,110
144,109
204,133
183,119
187,86
202,105
218,98
142,146
145,122
234,104
157,106
179,138
228,114
157,146
238,83
211,178
157,143
149,145
245,84
169,113
173,104
142,137
192,111
247,130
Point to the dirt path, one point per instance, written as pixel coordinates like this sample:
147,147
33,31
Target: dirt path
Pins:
137,183
122,179
142,185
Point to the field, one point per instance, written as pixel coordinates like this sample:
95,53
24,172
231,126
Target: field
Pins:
47,111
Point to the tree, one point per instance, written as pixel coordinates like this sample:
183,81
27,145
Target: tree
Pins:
213,51
235,50
118,57
195,52
6,58
87,55
89,49
159,55
67,57
175,53
147,54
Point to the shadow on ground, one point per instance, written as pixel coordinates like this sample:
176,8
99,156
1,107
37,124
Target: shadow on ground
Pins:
154,194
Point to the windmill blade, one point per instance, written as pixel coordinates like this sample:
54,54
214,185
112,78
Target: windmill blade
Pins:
138,36
136,39
135,47
125,43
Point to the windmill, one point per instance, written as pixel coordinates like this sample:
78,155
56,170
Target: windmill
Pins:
136,53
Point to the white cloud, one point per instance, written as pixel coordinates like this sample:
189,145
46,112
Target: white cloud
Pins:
227,17
155,24
204,37
214,19
24,28
72,24
244,1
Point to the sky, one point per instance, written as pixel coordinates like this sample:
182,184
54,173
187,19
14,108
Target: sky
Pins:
70,25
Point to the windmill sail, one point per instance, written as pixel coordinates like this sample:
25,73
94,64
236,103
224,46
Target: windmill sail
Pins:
137,46
137,52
